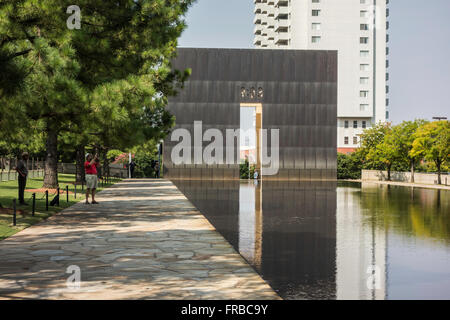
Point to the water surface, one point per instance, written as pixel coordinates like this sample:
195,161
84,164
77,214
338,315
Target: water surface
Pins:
329,240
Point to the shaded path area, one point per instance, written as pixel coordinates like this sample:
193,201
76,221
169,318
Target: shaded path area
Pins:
144,241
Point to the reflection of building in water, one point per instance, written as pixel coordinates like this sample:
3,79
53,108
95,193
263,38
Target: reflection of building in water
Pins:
250,223
360,250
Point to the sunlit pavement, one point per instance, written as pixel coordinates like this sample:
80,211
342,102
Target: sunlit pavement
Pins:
144,240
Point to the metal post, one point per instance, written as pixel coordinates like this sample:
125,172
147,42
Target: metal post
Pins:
46,200
67,193
14,214
57,199
75,190
129,167
34,204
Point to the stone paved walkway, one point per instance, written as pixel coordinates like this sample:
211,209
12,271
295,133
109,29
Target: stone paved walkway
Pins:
144,241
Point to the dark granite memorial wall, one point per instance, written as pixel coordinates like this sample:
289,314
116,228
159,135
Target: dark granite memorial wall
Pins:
298,93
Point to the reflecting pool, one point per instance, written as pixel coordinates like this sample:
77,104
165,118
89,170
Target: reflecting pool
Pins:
330,240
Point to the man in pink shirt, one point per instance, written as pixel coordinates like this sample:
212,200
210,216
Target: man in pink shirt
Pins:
90,167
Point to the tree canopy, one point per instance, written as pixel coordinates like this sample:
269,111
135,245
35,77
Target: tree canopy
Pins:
105,84
388,147
432,142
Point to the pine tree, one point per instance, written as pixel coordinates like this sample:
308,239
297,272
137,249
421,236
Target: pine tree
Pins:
119,41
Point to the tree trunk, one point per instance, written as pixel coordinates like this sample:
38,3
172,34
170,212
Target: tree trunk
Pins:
105,163
412,171
80,164
438,165
389,173
51,163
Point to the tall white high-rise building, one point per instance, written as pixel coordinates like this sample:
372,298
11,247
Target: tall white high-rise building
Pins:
357,29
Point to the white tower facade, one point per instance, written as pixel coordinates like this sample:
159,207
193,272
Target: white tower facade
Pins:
358,30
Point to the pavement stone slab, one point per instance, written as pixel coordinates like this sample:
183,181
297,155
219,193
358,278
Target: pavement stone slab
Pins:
144,240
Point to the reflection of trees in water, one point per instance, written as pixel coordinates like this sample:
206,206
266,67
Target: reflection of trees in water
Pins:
419,212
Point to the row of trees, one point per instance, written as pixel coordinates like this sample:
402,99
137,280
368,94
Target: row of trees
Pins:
407,145
101,87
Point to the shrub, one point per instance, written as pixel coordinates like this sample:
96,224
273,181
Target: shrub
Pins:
349,166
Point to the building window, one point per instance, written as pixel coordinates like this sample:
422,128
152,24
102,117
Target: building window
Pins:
355,140
364,27
315,1
364,40
364,94
355,124
363,107
364,14
364,53
364,124
364,67
364,80
315,39
316,13
316,26
346,124
345,140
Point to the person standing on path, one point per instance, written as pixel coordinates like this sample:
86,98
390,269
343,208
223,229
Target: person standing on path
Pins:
157,170
132,166
90,167
22,170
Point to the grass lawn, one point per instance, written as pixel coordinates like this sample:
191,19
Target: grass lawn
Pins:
9,191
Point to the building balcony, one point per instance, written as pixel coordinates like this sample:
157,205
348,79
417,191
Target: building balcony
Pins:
271,21
283,10
258,8
271,34
257,19
282,24
271,11
282,38
281,3
258,39
264,8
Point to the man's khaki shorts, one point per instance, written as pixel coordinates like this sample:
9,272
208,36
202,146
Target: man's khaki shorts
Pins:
91,181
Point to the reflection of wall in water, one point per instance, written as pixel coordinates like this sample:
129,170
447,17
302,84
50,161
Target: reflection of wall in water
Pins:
290,240
360,245
299,237
218,201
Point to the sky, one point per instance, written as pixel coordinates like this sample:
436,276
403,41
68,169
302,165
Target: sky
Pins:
419,48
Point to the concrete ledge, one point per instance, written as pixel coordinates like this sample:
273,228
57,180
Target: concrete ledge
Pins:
419,178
